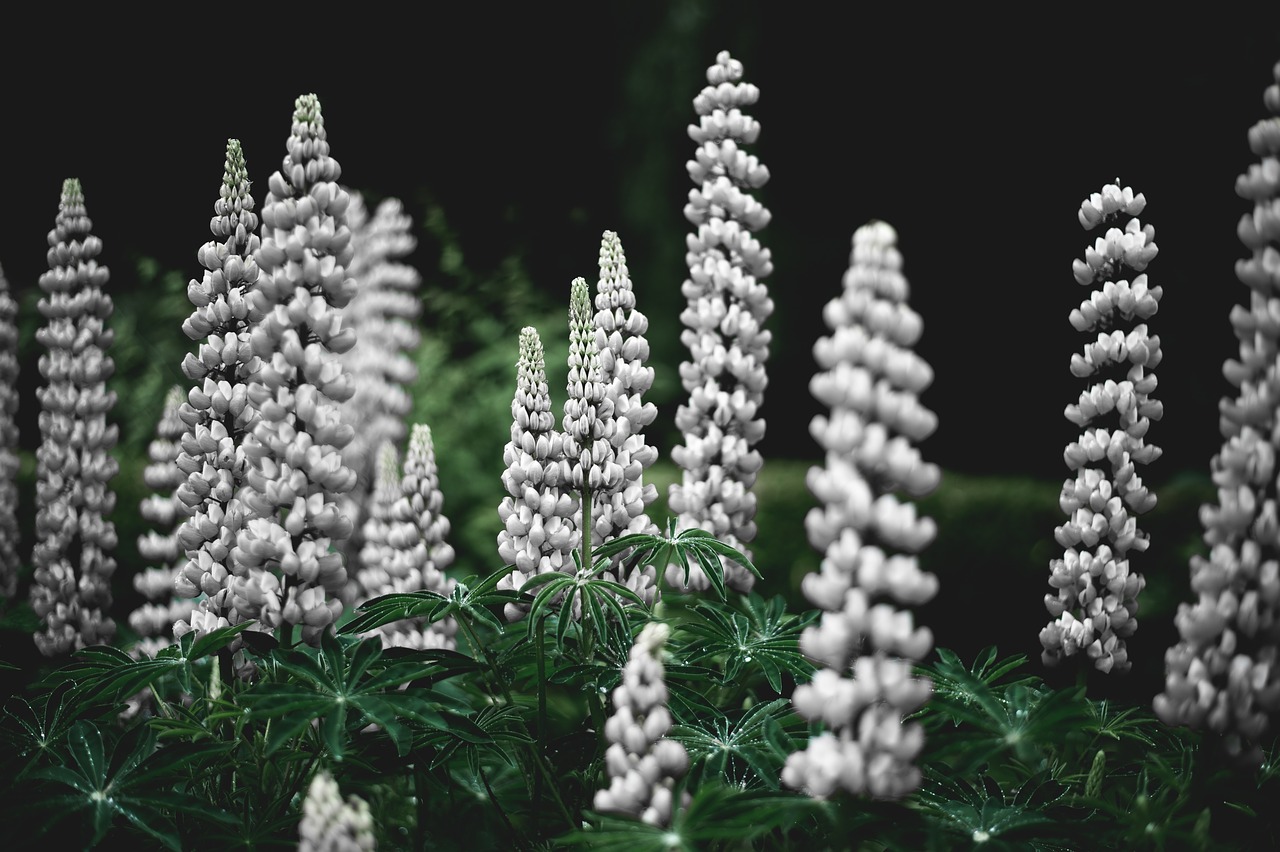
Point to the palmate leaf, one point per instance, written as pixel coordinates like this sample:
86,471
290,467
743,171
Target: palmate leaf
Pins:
102,673
471,598
766,638
983,813
348,684
586,592
675,548
747,753
35,731
135,781
715,814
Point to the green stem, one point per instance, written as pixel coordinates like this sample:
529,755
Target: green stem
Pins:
494,799
541,640
538,759
420,795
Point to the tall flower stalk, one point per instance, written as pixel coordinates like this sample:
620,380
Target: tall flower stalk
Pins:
287,572
870,381
217,413
538,534
9,537
728,304
1224,673
1095,600
619,338
154,621
74,540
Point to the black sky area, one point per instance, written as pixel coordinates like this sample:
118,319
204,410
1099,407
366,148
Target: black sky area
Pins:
976,135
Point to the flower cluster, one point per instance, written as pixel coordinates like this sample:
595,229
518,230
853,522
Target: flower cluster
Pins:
287,572
154,621
619,332
538,534
405,548
217,413
9,538
331,825
727,306
1224,673
643,764
870,381
589,425
383,314
1095,599
74,539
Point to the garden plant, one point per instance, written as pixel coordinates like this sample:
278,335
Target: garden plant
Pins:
316,661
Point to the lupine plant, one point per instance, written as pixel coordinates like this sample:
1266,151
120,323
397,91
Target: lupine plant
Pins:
620,339
728,303
1224,674
1095,604
871,381
10,540
217,413
74,538
599,682
291,577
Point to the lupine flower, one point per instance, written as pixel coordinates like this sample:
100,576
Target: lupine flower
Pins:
383,315
9,538
727,307
331,825
1224,674
619,337
405,548
1095,599
866,646
73,463
538,533
589,425
643,765
217,413
154,621
296,473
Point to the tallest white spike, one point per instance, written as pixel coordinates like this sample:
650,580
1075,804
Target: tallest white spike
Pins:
727,307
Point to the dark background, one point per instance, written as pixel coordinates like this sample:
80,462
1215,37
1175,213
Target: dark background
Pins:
976,135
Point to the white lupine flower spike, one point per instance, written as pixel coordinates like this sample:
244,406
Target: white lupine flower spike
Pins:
728,304
383,314
405,547
644,766
217,413
865,645
538,533
287,572
9,537
331,825
73,462
619,336
1224,673
153,621
1094,604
